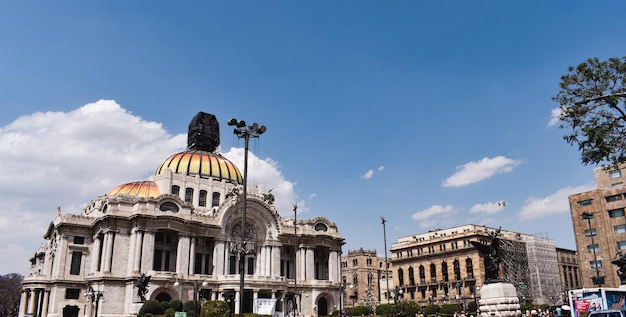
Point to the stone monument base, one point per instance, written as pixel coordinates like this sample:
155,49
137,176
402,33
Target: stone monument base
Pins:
499,300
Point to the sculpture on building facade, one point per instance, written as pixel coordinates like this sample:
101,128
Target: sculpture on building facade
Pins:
621,264
142,286
492,254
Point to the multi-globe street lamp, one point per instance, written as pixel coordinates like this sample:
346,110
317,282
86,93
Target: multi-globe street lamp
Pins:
95,297
383,221
245,132
197,286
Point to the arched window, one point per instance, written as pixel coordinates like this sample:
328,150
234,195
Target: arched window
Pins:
433,273
216,199
202,198
422,275
469,267
188,195
400,277
411,276
175,190
457,270
444,271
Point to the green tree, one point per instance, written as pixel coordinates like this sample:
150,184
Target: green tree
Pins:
177,304
592,98
385,309
408,308
10,289
449,309
215,308
431,309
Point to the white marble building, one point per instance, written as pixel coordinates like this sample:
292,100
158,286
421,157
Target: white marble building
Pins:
183,229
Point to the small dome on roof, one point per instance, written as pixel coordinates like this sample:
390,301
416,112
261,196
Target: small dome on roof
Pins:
203,163
140,189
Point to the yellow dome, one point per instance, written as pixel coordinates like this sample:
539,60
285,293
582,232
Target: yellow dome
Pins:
140,189
206,164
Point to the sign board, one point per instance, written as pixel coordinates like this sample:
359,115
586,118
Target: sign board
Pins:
264,306
180,314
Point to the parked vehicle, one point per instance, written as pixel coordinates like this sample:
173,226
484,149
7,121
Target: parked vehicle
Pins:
587,300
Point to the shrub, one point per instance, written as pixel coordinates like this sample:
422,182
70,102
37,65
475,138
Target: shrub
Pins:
176,304
449,309
151,307
431,310
189,306
385,309
409,308
164,305
361,310
170,312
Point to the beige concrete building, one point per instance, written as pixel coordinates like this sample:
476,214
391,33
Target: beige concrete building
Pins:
364,277
442,266
183,228
600,227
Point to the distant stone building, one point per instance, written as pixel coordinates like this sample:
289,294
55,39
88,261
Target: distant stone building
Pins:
442,266
570,270
364,278
182,228
599,227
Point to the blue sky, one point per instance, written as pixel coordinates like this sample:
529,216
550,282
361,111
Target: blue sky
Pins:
425,112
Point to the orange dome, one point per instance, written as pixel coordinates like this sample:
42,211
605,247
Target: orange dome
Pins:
206,164
140,189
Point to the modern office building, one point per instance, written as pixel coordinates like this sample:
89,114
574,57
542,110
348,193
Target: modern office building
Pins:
183,229
600,227
442,266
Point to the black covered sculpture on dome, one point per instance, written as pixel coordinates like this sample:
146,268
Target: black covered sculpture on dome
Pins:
492,254
203,133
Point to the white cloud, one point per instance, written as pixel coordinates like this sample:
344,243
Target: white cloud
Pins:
381,168
436,210
368,174
65,159
554,203
487,208
473,172
555,116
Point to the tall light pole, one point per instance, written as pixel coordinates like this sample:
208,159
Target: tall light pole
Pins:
197,286
295,262
597,280
246,132
386,265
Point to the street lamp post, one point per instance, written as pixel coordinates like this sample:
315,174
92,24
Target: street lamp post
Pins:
597,280
246,132
397,292
95,297
383,221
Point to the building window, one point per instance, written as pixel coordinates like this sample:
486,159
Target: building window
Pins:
75,265
613,198
216,199
202,198
615,174
79,240
618,184
620,229
595,264
593,248
188,195
250,265
585,202
615,213
72,293
590,232
175,190
232,264
621,245
469,267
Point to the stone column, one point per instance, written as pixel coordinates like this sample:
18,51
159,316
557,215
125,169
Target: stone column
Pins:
31,302
268,260
261,261
147,251
45,304
182,255
276,261
192,254
219,258
332,265
95,254
310,264
23,302
131,252
109,238
137,246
